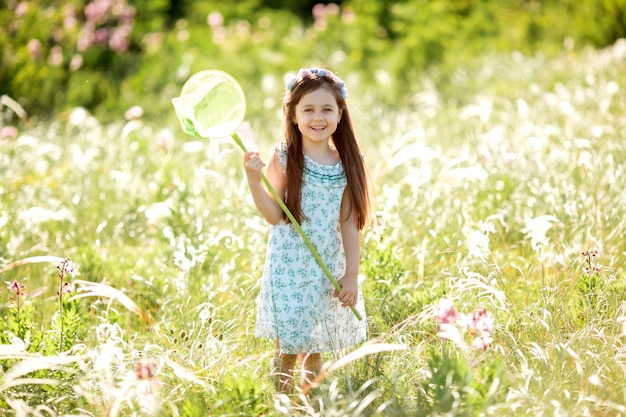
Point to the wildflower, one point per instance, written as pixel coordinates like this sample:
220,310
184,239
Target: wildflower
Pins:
446,313
119,39
590,253
21,9
19,291
319,11
69,18
135,112
67,267
76,62
34,48
479,323
66,288
453,326
446,319
8,132
145,370
16,286
215,19
590,268
481,342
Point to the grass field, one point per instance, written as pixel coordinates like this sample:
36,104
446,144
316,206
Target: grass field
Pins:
507,193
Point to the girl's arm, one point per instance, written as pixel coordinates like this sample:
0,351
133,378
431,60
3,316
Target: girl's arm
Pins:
263,199
351,237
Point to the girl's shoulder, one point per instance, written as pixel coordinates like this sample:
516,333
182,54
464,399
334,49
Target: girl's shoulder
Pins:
280,150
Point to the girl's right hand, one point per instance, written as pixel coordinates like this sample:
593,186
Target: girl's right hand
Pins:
253,165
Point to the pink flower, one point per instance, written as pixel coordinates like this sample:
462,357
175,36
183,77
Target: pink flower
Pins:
87,37
348,16
481,342
215,19
16,287
69,18
34,48
98,10
21,9
145,370
67,267
135,112
127,15
146,374
454,326
446,313
102,36
76,62
319,11
479,322
8,132
333,9
120,39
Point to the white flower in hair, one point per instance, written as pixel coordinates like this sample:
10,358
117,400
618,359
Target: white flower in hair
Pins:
320,72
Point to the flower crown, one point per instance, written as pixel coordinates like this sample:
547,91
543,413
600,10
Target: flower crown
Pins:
320,72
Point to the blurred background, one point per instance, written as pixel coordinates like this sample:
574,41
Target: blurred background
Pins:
110,55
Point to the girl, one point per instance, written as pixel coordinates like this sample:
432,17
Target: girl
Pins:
320,175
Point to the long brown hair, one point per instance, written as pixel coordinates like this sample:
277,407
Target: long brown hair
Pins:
343,138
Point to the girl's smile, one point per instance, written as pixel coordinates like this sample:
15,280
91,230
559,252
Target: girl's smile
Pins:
317,115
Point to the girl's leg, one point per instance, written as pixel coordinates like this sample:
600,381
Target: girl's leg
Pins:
311,365
284,365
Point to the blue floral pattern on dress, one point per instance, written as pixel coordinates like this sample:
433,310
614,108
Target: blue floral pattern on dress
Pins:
295,303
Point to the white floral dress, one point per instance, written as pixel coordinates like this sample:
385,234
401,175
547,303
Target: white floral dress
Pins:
295,303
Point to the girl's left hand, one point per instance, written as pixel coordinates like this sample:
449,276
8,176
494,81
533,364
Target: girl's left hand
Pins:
349,294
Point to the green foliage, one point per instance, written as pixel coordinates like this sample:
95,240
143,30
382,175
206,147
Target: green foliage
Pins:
65,54
239,396
195,406
19,323
457,384
144,51
65,332
392,291
596,292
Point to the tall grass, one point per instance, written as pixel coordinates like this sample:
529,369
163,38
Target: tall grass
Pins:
489,196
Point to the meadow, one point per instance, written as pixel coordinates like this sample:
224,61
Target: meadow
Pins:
509,202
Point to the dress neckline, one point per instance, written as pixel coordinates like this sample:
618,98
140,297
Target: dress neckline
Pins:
320,164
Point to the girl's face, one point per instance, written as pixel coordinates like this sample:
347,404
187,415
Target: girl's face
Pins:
317,115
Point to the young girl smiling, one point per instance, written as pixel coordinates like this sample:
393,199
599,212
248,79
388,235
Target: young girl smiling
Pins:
319,173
